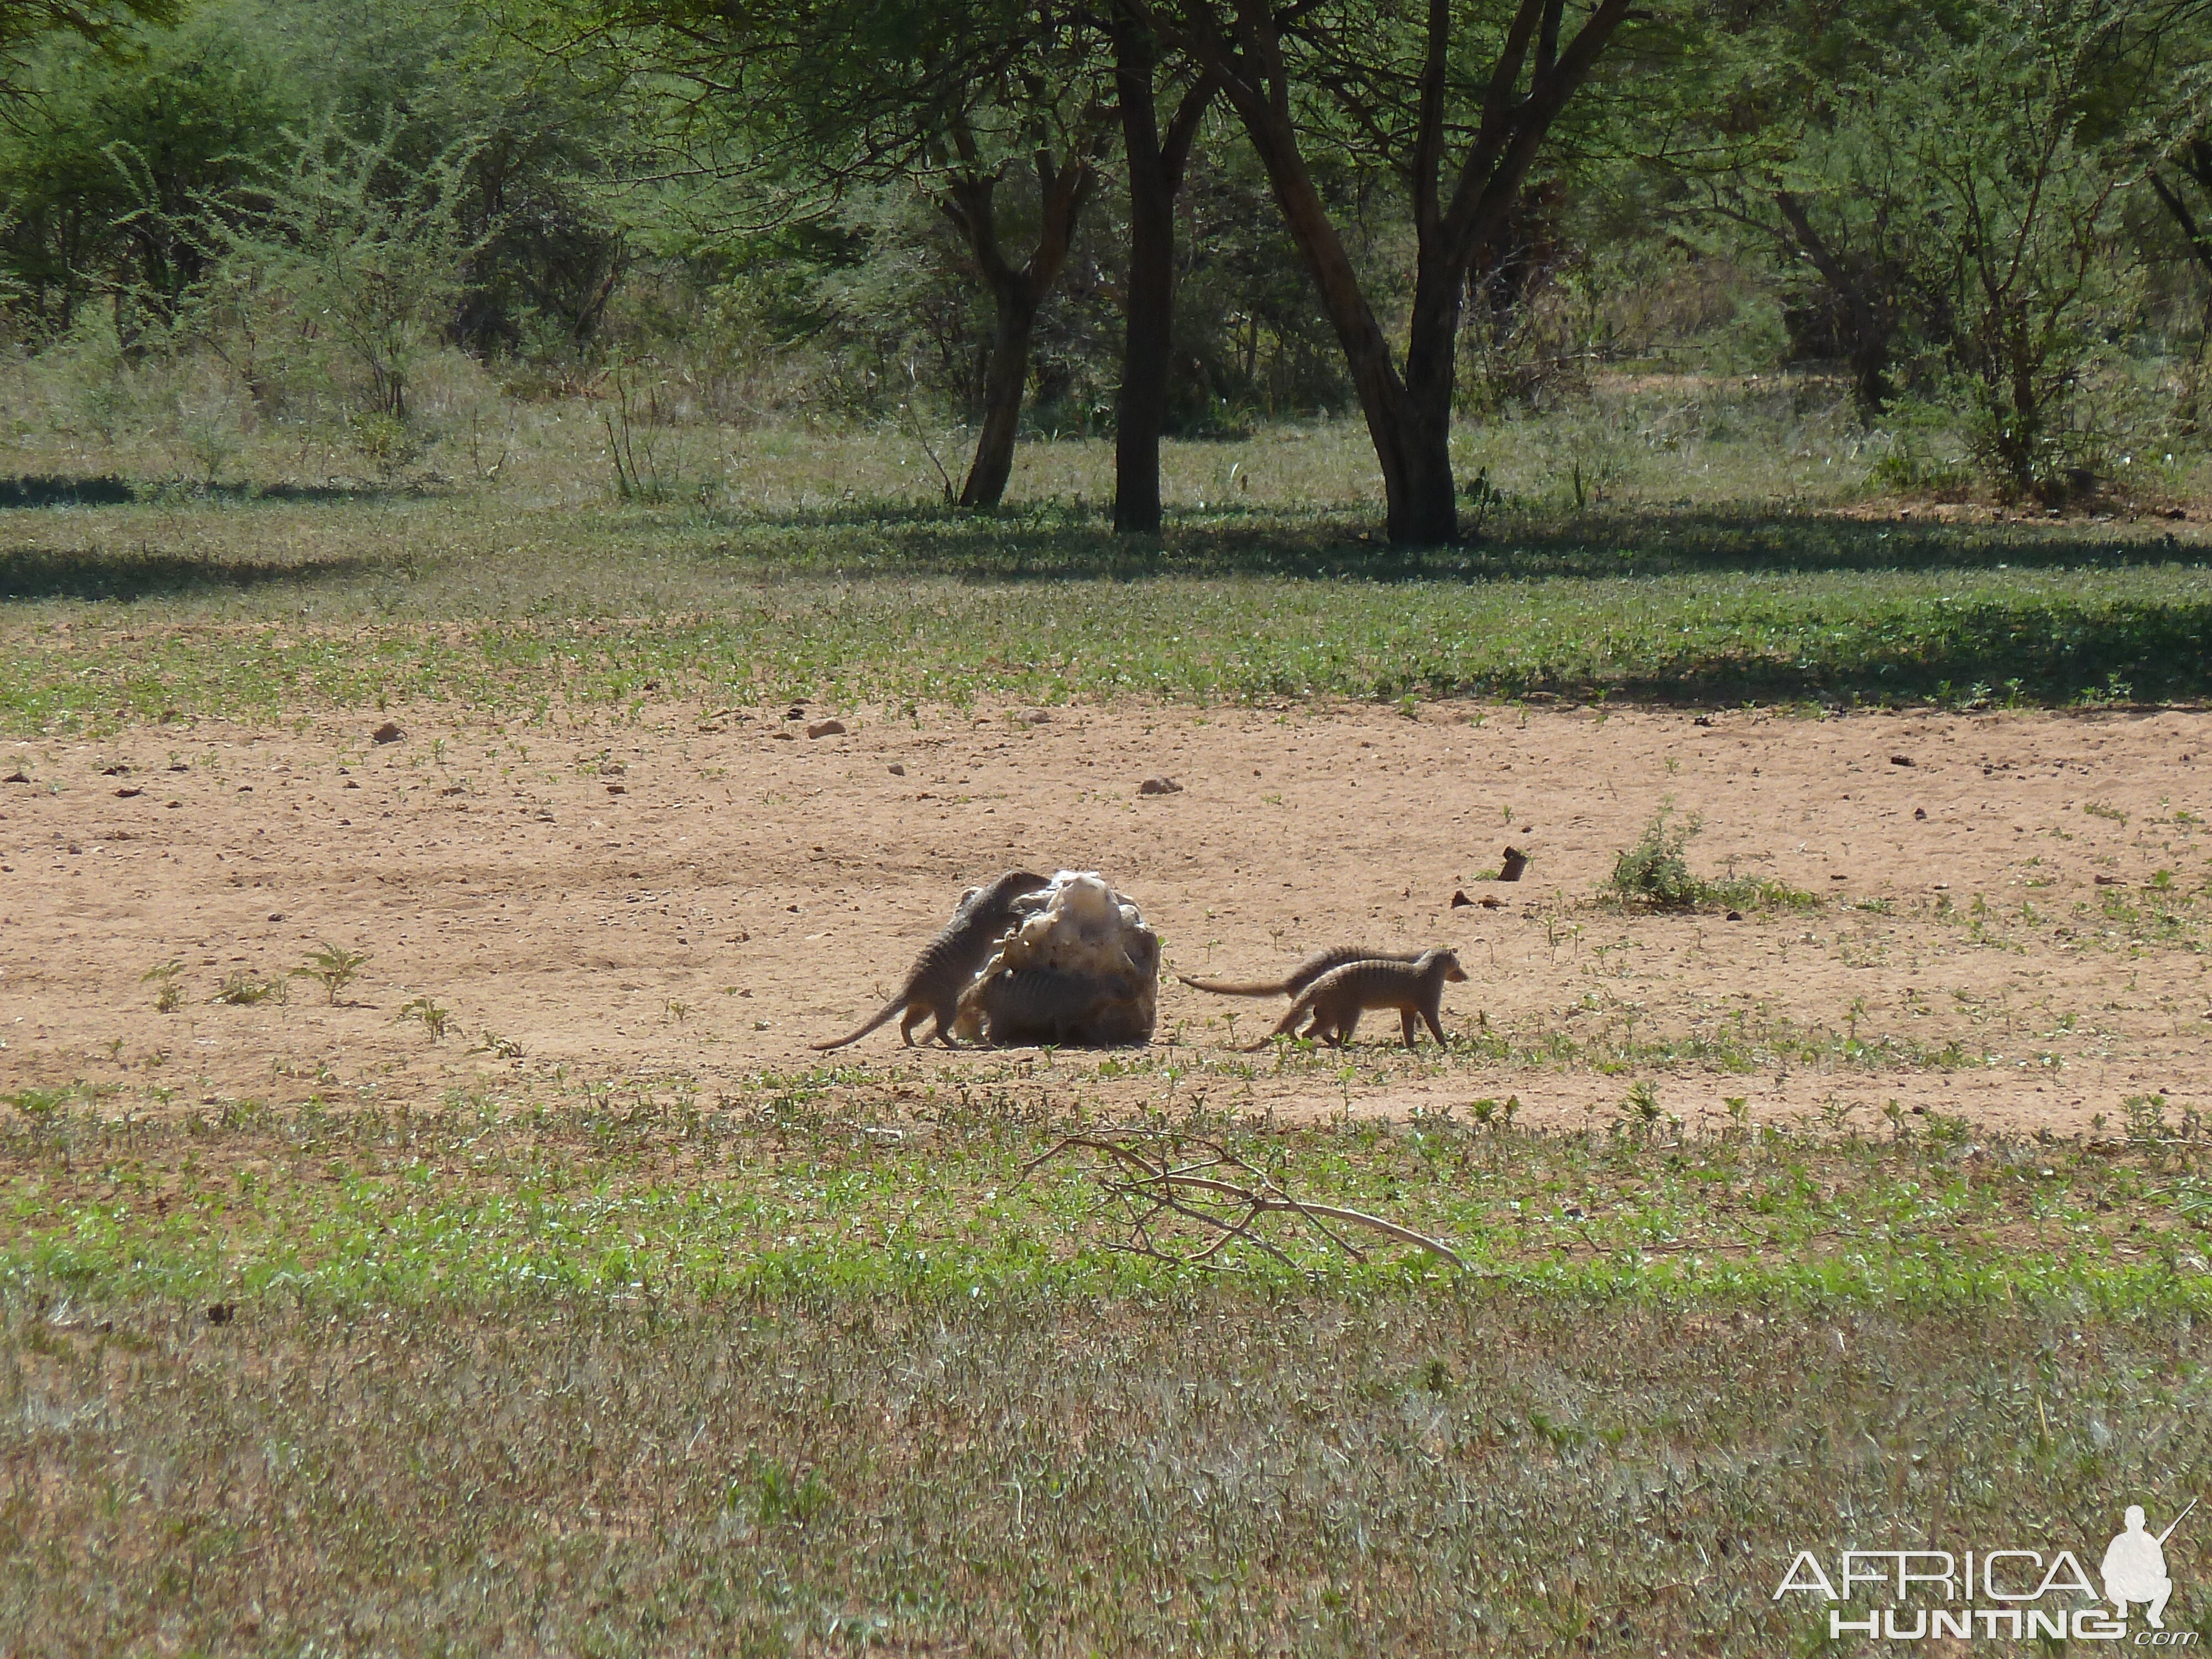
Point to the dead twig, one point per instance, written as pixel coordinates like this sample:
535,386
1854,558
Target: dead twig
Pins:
1218,1194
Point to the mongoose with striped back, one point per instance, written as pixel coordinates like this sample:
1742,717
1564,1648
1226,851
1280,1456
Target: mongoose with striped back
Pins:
1047,1004
949,962
1320,963
1336,999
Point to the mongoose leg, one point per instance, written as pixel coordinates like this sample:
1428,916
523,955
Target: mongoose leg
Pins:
1406,1021
1436,1027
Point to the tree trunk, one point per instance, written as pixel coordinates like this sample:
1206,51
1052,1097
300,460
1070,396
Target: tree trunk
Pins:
1869,350
1140,412
1417,487
1156,164
1007,372
1431,504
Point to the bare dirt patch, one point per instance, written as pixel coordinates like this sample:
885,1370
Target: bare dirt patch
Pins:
2006,919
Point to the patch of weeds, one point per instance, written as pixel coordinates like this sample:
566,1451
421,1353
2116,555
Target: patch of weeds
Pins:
170,995
770,1491
240,989
38,1104
434,1017
2143,1119
1655,874
334,965
1641,1111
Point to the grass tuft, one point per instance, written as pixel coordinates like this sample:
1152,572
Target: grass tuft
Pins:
1655,874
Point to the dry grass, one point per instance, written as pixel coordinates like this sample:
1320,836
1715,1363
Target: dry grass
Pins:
1210,1472
666,1379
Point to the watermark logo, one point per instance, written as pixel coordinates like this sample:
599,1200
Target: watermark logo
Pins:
2009,1594
2135,1567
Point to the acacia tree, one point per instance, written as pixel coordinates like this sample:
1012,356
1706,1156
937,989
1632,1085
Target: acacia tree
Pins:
1833,192
1061,143
106,24
1463,111
807,103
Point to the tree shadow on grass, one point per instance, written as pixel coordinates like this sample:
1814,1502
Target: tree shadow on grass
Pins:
51,491
46,489
38,572
1056,543
2036,653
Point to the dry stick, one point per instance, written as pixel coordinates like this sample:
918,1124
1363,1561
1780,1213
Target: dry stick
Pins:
1161,1184
914,421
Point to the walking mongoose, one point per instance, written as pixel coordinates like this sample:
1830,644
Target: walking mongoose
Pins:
949,962
1339,997
1302,975
1047,1004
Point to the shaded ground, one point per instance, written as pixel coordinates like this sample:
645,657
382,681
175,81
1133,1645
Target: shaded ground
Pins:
2010,926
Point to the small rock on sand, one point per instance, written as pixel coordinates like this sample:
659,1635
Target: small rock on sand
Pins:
826,729
387,733
1160,786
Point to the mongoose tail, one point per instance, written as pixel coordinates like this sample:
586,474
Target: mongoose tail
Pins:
1335,1001
1320,963
897,1004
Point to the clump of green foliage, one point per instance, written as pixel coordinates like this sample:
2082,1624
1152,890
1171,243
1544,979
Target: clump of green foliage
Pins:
241,990
1655,874
434,1017
171,995
335,966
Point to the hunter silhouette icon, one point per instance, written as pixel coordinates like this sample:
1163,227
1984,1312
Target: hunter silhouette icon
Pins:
2135,1567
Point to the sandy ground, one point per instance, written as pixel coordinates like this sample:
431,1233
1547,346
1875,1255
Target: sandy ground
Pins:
700,895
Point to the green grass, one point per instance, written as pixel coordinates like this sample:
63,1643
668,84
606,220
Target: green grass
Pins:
666,1197
649,1376
256,610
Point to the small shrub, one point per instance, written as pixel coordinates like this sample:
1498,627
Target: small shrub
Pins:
1655,872
336,967
171,995
433,1017
240,989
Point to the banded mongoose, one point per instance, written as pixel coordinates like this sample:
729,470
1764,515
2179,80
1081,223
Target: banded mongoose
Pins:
1047,1005
1302,975
1339,997
950,961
